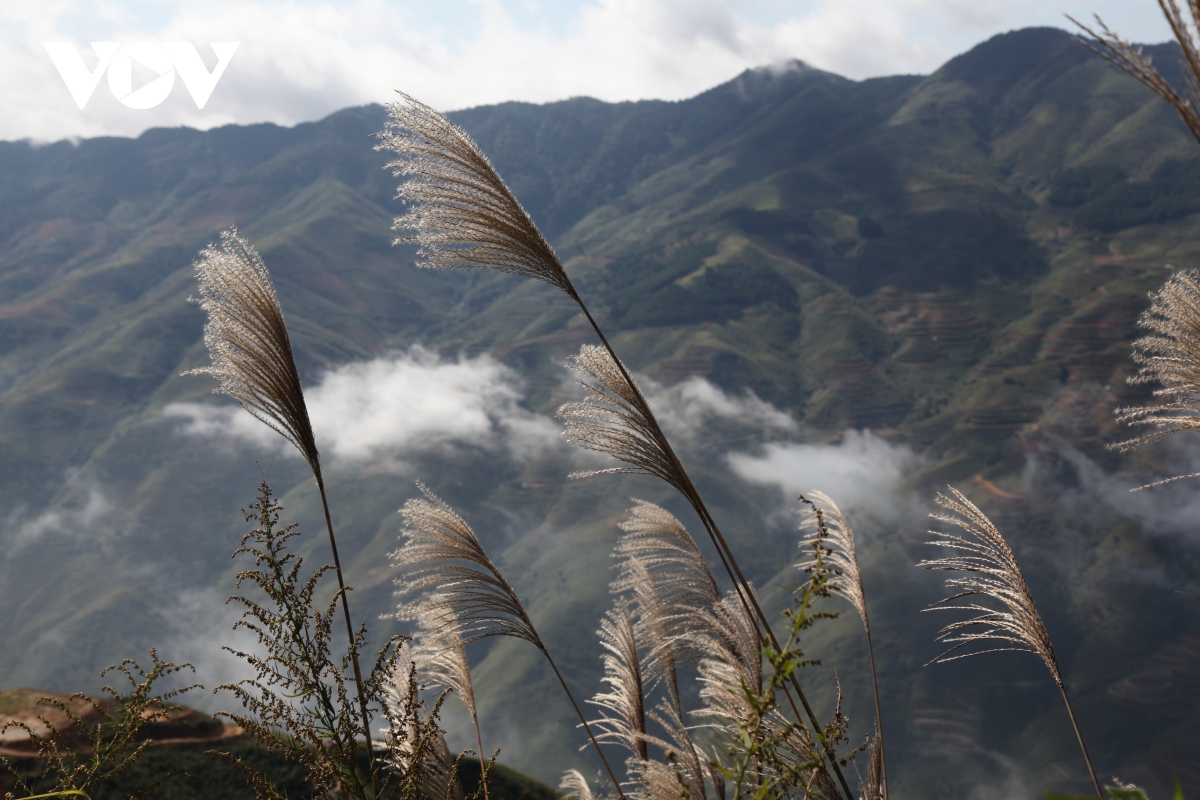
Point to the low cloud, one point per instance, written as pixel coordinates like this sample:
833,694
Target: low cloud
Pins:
1087,492
860,472
401,404
81,514
685,408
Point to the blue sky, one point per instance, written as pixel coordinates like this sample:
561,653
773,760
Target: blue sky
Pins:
298,60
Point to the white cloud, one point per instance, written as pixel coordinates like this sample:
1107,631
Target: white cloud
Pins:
862,471
1171,509
683,409
72,519
300,60
396,405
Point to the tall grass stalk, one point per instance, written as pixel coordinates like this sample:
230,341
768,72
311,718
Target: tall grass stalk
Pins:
832,540
252,360
462,215
989,569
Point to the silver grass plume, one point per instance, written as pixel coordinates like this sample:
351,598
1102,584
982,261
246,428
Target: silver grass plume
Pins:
575,787
1129,59
830,528
452,577
684,775
623,706
439,778
831,533
252,360
1169,357
989,569
732,660
653,537
248,342
615,419
659,564
461,212
438,649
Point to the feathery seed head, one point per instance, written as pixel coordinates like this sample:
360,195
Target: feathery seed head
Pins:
1170,357
990,570
452,580
623,718
441,659
575,787
659,564
461,213
838,537
248,341
615,419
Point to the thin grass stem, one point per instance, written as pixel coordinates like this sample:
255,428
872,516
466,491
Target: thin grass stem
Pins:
878,716
1079,735
358,682
586,727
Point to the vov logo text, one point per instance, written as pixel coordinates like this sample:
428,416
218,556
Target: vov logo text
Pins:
165,59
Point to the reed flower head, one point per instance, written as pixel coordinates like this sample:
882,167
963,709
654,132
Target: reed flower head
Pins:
624,706
461,213
615,419
441,658
660,566
248,341
989,569
832,531
1170,357
452,579
575,787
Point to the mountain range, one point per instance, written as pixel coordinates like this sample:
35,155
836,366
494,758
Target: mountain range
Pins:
876,288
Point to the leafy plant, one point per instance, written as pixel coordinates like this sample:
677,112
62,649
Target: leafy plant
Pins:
299,701
103,738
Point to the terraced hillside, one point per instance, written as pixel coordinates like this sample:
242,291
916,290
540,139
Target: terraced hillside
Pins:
929,279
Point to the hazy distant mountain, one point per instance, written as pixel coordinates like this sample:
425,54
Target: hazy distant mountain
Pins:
954,263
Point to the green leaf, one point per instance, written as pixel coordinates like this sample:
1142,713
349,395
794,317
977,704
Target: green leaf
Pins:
1178,789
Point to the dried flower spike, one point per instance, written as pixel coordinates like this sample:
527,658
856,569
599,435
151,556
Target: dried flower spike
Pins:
248,341
615,419
623,718
452,578
461,212
832,531
1129,59
1169,357
990,570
